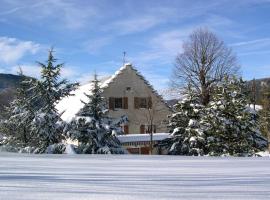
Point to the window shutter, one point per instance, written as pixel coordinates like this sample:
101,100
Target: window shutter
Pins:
111,103
149,102
136,102
126,131
142,128
125,99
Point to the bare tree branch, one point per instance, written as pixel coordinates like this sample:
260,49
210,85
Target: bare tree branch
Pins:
205,62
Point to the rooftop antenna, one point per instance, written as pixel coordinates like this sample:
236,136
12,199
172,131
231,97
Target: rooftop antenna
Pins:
124,57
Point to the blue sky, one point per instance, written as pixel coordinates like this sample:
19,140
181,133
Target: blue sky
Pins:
92,35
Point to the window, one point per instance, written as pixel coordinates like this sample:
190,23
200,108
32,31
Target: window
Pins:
142,129
118,103
142,102
147,129
125,129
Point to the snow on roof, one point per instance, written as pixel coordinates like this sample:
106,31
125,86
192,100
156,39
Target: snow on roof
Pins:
257,107
142,137
111,79
71,105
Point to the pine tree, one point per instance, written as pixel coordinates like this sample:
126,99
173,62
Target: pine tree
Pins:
91,127
265,114
187,137
231,126
20,113
47,125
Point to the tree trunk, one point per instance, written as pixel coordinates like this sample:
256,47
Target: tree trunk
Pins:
268,140
205,95
151,139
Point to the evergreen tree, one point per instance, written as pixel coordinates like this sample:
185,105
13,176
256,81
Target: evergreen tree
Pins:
265,114
187,137
92,129
20,113
231,126
47,125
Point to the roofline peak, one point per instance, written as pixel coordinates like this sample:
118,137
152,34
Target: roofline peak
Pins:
128,64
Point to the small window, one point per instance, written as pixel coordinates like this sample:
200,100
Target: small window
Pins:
125,129
143,103
118,103
147,128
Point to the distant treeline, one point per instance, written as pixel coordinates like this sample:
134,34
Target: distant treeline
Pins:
9,83
256,88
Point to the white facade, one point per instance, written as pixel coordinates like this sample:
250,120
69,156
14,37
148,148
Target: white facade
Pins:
130,86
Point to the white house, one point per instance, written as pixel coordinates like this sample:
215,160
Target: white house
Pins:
128,93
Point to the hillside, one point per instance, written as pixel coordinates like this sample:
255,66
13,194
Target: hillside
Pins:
9,81
8,85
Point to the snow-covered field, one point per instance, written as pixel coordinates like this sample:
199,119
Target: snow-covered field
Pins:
33,177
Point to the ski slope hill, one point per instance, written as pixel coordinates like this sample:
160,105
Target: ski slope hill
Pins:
129,177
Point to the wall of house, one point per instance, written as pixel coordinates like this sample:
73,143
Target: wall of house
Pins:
129,84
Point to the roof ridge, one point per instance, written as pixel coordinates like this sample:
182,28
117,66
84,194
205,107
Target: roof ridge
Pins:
147,83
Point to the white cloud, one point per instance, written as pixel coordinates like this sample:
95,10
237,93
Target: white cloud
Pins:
133,25
35,70
257,42
170,41
12,49
134,20
68,14
73,14
29,70
252,47
93,46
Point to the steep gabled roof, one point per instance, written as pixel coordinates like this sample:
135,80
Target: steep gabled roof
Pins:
129,65
71,105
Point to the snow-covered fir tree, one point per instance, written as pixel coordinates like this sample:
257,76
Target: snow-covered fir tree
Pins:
231,126
20,114
47,125
264,113
93,130
187,137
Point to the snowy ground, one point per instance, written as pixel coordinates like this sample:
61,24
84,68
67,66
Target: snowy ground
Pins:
33,177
